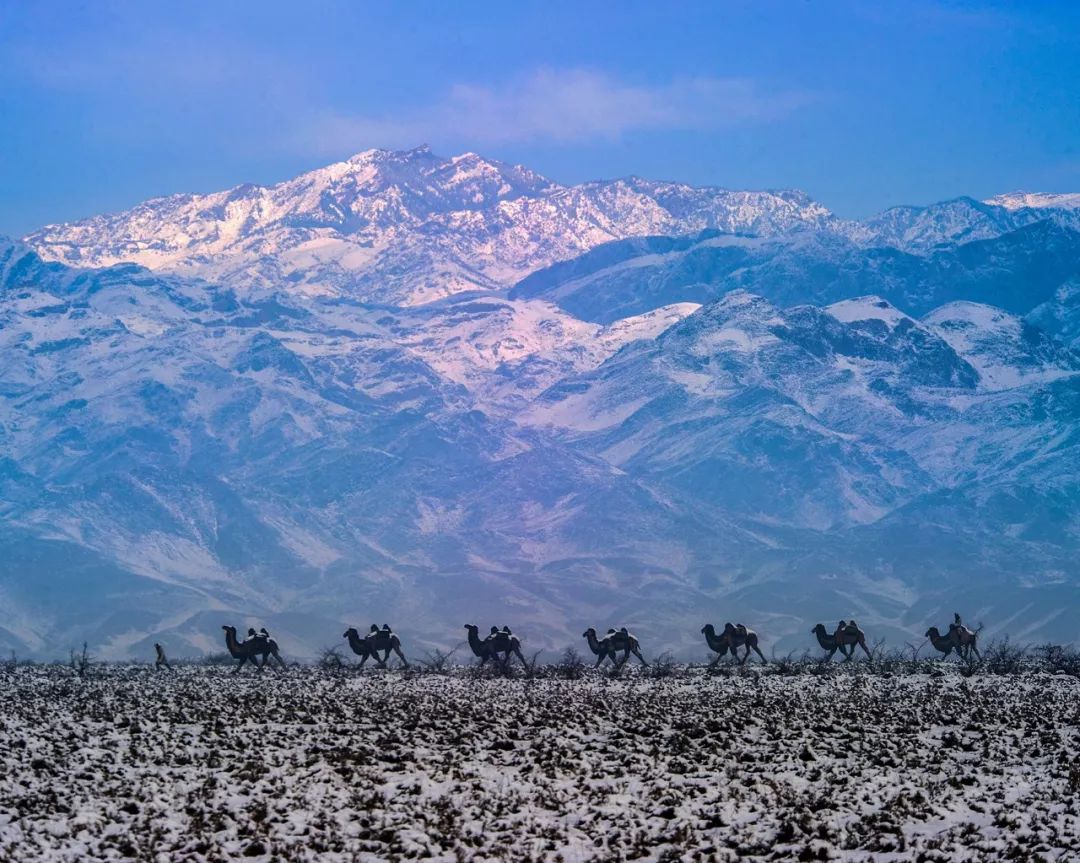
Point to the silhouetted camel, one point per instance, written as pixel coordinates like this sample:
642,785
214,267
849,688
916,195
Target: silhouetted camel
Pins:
360,646
944,644
602,648
717,643
161,662
500,641
733,637
848,632
959,638
385,640
252,648
829,643
612,642
966,639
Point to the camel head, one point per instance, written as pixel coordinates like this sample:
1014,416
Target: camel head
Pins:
932,632
350,632
229,628
819,630
589,633
708,629
473,628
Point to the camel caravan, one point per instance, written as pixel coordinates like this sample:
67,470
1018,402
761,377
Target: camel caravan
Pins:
499,646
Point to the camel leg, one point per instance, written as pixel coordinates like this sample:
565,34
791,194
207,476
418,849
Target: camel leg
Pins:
977,654
719,656
386,656
862,644
757,650
281,662
517,653
401,656
828,655
637,653
240,664
600,658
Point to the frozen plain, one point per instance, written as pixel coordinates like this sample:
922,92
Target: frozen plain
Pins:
202,765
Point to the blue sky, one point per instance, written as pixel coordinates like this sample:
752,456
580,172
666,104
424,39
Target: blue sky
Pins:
862,105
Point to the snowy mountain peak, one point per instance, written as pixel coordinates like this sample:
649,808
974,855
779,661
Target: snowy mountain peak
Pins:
871,308
963,313
406,227
1005,350
1036,200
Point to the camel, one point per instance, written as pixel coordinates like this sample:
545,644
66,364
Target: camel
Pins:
602,648
384,640
360,646
612,642
828,642
733,636
944,644
959,638
848,633
499,641
252,648
966,638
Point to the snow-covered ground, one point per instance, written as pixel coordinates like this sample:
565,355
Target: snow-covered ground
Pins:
312,765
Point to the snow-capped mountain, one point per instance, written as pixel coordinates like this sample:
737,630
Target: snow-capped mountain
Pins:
408,227
1036,201
436,390
405,227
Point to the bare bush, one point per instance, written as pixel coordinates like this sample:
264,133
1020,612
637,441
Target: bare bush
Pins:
790,665
81,660
533,669
663,666
1003,657
330,659
571,666
1059,659
436,661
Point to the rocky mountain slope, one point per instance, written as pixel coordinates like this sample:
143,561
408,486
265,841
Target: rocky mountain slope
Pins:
1015,271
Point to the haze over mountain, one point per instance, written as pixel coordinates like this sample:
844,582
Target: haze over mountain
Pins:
433,390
